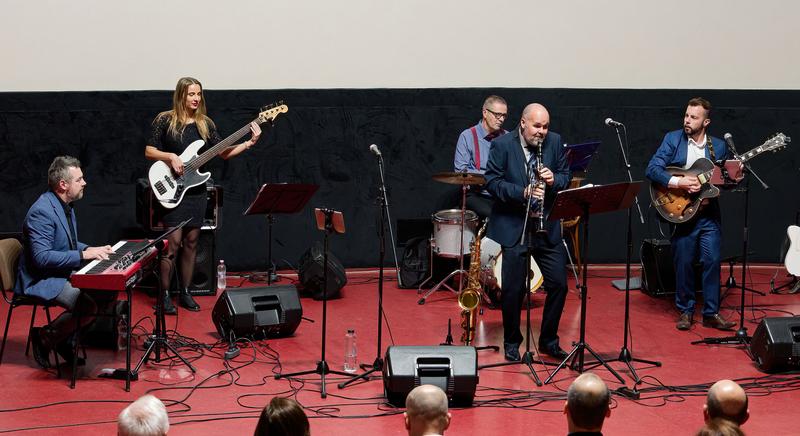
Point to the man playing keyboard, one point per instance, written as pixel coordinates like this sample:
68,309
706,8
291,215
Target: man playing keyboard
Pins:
51,252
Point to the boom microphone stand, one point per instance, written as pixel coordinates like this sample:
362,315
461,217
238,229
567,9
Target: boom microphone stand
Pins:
383,203
625,355
332,222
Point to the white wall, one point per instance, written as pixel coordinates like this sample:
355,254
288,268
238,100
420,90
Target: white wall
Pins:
265,44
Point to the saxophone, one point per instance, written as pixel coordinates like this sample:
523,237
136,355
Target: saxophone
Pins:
470,297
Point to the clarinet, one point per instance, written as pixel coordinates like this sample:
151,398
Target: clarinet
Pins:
540,184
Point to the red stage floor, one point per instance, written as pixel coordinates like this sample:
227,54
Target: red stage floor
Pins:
226,399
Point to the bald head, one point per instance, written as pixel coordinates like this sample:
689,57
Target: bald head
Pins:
727,400
587,403
534,123
426,410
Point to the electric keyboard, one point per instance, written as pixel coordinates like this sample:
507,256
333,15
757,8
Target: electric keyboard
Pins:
121,270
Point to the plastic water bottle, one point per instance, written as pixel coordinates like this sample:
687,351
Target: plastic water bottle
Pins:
221,276
350,352
122,333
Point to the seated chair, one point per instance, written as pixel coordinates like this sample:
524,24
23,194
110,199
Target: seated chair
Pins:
10,252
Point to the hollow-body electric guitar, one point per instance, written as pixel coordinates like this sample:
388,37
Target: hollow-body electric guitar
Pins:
677,205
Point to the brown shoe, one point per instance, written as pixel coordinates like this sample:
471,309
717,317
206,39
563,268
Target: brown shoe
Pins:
717,322
684,322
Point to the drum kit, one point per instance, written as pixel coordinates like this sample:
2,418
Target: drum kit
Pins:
454,232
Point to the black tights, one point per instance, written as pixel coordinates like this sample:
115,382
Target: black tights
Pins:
184,240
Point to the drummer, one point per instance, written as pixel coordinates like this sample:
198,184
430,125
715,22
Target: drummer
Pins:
472,151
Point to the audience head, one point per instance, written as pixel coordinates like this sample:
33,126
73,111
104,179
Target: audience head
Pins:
720,427
146,416
726,400
426,411
588,403
283,417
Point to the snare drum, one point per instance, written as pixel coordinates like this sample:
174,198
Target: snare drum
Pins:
447,228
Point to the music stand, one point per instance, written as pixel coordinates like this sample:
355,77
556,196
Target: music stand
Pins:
286,198
579,156
329,221
585,201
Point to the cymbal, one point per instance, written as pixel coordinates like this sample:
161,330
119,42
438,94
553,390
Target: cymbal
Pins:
459,178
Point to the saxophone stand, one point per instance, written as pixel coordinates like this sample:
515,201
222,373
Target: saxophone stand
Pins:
329,221
282,198
740,337
158,340
583,202
625,355
464,179
383,203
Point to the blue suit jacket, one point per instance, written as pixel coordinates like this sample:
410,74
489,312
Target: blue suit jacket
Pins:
672,152
47,260
506,179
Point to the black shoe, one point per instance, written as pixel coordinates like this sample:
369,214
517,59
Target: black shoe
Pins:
185,299
66,350
511,352
40,353
555,352
169,308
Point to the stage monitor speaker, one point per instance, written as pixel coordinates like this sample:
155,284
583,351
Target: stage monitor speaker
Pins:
452,368
262,312
658,269
205,269
310,273
775,345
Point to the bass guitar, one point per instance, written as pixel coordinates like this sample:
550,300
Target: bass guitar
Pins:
169,188
677,205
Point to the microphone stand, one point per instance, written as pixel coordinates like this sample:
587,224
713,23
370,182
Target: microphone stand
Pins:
740,337
377,365
527,239
625,355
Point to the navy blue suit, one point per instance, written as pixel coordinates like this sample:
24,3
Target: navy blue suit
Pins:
701,237
506,179
48,260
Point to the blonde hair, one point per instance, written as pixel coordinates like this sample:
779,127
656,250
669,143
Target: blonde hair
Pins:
178,115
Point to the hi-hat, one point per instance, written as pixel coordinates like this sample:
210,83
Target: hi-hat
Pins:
459,178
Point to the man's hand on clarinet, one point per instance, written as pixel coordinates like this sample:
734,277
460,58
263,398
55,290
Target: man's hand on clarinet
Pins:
547,175
534,191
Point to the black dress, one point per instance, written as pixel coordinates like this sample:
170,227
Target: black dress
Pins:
194,201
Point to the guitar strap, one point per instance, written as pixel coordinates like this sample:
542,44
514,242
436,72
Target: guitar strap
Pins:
711,149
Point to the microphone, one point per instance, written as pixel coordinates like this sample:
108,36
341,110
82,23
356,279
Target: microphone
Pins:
374,149
729,140
611,123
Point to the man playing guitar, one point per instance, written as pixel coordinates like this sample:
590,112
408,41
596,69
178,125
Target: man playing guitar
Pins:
702,235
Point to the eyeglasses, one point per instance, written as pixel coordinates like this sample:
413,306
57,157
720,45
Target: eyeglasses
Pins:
497,115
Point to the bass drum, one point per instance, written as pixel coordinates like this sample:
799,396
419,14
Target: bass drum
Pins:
492,267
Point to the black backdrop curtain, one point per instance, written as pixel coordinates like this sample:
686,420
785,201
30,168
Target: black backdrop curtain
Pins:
324,139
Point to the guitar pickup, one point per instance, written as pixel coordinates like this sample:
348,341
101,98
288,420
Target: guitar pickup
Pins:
169,181
160,188
662,200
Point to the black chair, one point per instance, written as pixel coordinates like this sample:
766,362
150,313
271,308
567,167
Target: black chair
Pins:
10,252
